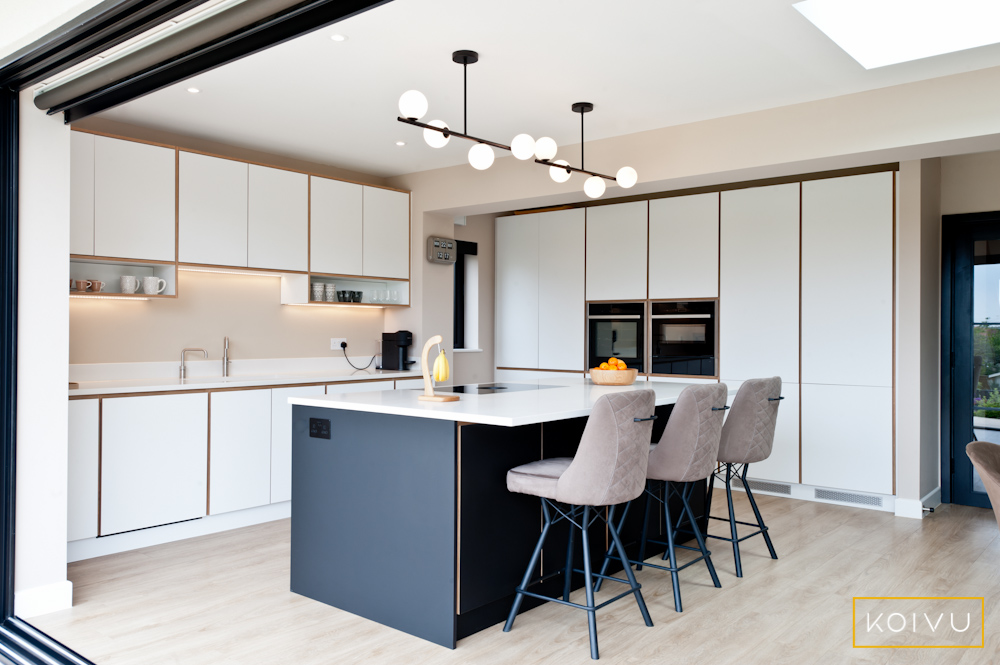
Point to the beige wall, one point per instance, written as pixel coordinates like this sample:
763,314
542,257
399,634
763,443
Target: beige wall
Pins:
478,367
210,307
970,183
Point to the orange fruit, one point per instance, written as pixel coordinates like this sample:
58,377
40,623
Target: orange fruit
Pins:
612,361
622,365
605,366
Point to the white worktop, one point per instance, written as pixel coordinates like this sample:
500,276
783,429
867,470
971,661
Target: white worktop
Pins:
573,397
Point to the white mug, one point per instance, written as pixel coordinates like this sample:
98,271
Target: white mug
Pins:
153,285
129,283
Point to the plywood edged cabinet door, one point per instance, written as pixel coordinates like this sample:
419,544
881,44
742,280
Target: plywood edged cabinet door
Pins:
561,274
212,214
617,238
134,200
281,439
278,219
81,193
517,291
335,226
240,447
154,460
386,251
83,460
684,247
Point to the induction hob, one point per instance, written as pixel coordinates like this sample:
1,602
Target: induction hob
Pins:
490,388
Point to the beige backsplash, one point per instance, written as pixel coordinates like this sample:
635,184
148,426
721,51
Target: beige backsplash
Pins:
210,307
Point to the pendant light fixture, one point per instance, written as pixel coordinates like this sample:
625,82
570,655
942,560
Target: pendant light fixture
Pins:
413,106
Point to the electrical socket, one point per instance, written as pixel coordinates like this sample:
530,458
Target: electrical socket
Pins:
335,343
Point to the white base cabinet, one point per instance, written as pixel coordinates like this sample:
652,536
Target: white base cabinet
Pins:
83,460
281,439
847,437
239,450
154,460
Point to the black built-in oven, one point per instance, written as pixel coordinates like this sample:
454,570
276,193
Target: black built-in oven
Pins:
616,330
683,338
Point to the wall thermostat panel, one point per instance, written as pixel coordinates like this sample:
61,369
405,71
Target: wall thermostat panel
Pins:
441,250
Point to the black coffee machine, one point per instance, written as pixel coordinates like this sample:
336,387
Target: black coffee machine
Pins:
395,350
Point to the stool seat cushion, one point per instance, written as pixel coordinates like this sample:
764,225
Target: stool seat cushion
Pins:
539,478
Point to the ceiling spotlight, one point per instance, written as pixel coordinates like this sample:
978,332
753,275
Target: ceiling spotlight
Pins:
338,38
194,91
481,156
401,143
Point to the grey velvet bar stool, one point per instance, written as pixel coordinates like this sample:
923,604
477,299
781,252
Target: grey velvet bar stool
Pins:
684,455
747,437
609,469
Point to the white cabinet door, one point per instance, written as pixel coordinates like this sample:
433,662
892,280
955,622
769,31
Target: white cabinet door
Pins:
278,219
684,247
783,464
154,460
134,200
239,450
617,237
517,291
335,226
281,439
759,288
81,193
847,280
404,384
386,251
83,460
847,437
561,308
212,212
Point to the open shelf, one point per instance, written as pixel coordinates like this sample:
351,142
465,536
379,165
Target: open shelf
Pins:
110,271
375,291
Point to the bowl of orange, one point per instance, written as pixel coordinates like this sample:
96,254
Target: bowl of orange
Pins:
613,373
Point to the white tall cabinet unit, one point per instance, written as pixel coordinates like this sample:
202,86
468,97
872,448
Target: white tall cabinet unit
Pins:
82,463
759,307
386,243
540,291
847,330
336,226
212,212
134,200
154,459
240,450
617,238
278,219
684,247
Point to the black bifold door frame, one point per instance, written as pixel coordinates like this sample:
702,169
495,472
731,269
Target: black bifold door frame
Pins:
106,25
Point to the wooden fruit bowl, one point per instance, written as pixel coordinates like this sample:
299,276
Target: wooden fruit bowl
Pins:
614,377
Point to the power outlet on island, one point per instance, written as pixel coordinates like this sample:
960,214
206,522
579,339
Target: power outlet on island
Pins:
335,343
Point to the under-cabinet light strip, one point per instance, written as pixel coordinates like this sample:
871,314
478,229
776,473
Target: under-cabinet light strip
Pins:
232,272
82,297
334,304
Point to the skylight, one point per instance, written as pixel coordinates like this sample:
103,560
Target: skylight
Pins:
877,33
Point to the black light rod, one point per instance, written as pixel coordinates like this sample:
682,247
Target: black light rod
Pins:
452,132
573,168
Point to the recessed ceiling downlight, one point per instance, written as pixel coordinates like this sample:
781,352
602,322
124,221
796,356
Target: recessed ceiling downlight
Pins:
339,38
194,91
877,33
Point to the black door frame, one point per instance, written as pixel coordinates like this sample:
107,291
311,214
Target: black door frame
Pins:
104,26
956,287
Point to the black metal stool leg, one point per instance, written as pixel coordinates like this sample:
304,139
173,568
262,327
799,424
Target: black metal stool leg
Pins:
519,596
645,527
760,521
732,520
588,582
568,570
611,549
616,542
674,577
708,497
685,495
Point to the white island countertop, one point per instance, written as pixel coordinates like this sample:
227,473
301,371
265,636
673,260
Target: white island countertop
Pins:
571,397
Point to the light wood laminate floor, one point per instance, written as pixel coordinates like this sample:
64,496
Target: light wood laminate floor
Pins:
224,598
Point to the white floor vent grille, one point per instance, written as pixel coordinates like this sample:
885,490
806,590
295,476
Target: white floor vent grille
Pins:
848,497
762,486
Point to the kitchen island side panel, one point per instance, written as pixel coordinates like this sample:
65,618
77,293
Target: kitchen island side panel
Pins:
374,518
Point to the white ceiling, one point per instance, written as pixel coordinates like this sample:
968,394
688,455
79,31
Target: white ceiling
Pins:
643,63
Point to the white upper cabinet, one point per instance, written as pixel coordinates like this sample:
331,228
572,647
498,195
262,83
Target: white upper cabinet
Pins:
617,236
335,226
759,288
240,452
684,247
212,211
278,214
847,280
386,244
134,200
517,291
561,323
81,194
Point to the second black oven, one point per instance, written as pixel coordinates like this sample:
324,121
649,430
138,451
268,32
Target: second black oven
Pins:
683,338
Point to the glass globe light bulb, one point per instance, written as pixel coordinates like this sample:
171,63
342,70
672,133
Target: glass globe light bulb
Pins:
594,186
626,177
558,174
545,148
523,146
413,104
436,139
481,156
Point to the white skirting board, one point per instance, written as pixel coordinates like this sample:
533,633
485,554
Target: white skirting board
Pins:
915,509
873,501
89,548
43,599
